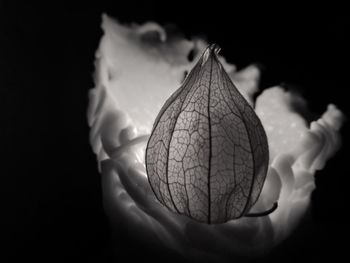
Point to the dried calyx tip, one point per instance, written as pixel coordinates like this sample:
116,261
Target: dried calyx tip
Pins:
211,49
215,47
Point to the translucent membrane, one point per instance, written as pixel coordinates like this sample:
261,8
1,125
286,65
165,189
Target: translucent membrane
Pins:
207,156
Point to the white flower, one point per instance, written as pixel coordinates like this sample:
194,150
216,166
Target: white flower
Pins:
137,69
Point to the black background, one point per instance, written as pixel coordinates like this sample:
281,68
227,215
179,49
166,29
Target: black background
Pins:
51,207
